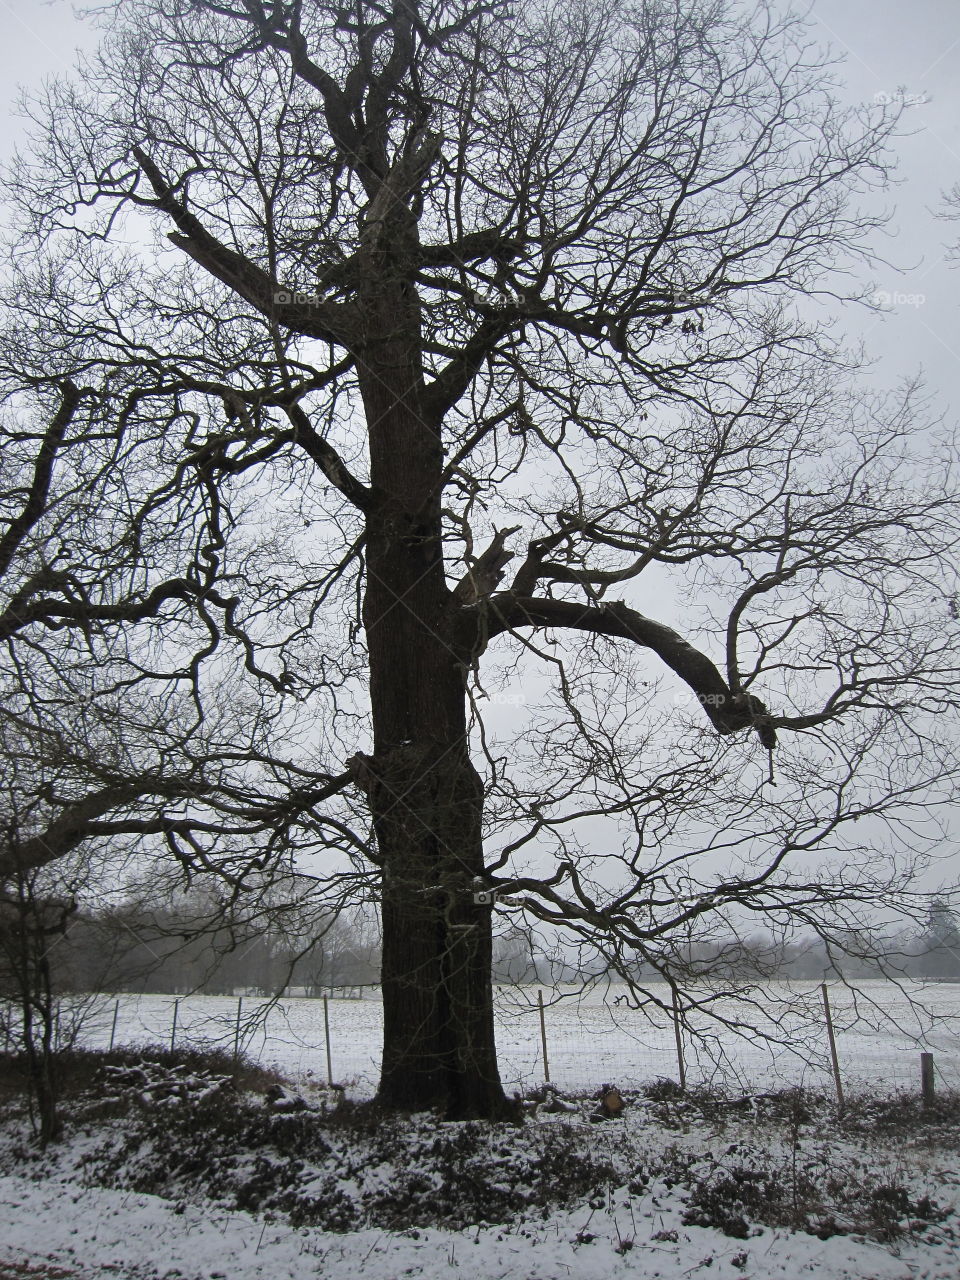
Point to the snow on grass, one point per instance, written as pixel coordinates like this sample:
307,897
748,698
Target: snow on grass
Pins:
141,1236
881,1029
176,1179
672,1181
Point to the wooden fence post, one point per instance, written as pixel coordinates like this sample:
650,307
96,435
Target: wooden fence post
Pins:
173,1029
833,1047
236,1036
113,1025
543,1036
326,1033
926,1079
681,1066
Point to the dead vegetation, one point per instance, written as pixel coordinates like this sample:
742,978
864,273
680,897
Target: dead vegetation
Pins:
189,1126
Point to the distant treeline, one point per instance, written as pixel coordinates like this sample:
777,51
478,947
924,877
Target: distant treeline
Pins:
177,950
187,947
180,949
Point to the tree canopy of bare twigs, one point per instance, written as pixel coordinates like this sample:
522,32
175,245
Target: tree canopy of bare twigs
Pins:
428,463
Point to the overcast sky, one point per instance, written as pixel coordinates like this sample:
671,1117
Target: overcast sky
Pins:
912,49
890,48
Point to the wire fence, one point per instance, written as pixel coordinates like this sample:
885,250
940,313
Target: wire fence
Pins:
578,1040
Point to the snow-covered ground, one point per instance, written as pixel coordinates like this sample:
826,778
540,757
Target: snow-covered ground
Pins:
635,1224
112,1233
58,1223
880,1031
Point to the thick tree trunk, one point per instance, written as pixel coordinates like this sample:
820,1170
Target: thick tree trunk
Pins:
424,794
439,1046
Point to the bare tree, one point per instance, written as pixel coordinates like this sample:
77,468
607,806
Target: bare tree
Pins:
102,721
419,329
33,917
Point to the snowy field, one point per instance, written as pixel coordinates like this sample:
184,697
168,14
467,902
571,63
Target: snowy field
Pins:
60,1223
880,1032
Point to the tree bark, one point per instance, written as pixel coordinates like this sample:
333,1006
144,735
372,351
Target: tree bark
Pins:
439,1049
425,796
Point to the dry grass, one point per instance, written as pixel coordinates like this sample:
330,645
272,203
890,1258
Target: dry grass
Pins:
13,1270
80,1070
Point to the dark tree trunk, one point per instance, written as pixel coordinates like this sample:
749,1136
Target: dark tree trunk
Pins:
439,1046
425,796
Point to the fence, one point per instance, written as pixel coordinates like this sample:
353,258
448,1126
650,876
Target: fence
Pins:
581,1040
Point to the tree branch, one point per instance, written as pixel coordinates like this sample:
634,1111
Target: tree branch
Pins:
473,247
333,322
726,711
75,822
455,377
327,458
56,612
36,501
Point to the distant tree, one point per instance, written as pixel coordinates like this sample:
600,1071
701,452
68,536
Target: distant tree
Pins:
515,956
340,955
940,956
372,303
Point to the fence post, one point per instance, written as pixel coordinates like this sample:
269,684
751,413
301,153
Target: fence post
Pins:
833,1047
543,1036
236,1035
926,1078
326,1036
681,1066
113,1025
173,1029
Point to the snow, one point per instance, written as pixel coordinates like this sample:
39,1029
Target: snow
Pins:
881,1029
51,1214
140,1236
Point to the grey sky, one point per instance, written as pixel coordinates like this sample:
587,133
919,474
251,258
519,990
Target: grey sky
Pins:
890,47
